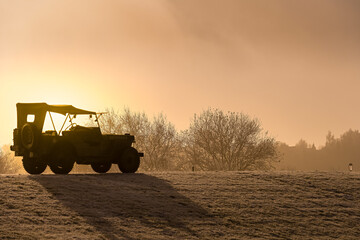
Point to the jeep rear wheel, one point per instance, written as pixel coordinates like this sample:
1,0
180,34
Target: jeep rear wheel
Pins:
34,165
62,160
130,160
101,167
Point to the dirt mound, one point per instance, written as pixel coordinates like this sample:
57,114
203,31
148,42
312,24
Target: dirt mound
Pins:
214,205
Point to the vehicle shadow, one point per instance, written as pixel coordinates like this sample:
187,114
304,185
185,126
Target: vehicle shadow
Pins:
115,204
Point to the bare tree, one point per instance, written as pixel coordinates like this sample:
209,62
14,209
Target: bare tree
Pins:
158,139
8,163
232,141
137,124
111,122
161,144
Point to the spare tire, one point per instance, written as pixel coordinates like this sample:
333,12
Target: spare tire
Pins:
29,136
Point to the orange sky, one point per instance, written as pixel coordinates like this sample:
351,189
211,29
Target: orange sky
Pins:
293,64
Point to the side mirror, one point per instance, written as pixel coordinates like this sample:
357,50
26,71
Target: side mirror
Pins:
90,116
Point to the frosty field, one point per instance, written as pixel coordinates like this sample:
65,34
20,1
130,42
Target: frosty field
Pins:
181,205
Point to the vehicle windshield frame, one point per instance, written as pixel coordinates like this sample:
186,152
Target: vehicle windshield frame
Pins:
72,116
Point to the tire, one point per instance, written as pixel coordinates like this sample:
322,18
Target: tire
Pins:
62,159
101,167
129,161
34,165
29,136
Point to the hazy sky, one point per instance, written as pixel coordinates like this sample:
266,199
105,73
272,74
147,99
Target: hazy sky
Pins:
295,65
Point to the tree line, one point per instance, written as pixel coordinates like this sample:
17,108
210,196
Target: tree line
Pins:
215,141
336,155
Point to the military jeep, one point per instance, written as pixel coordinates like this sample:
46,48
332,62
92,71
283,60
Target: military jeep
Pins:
71,144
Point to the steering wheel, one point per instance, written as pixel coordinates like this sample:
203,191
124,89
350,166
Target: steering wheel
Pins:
71,127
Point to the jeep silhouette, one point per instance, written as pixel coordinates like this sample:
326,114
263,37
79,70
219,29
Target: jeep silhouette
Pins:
71,144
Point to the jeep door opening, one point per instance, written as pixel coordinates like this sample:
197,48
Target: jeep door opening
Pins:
72,144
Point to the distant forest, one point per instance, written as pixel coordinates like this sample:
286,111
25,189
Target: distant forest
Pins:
216,141
336,155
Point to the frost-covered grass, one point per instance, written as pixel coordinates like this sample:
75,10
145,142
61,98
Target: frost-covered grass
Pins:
181,205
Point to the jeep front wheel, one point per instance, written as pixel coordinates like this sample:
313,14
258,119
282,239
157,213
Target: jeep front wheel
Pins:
101,167
62,160
130,160
34,165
